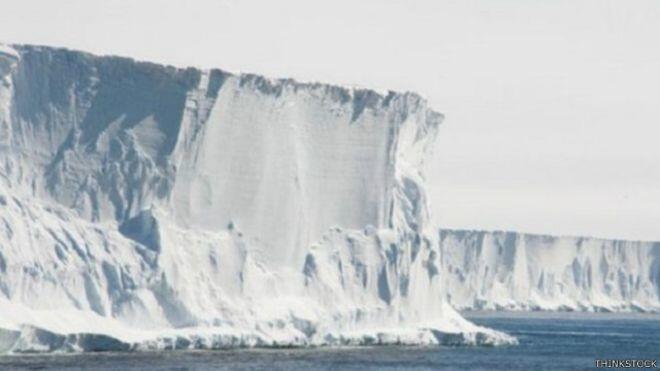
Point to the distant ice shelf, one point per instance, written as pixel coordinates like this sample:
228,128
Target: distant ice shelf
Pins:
518,271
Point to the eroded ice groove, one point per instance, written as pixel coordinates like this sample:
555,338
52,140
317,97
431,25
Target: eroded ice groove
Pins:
145,206
517,271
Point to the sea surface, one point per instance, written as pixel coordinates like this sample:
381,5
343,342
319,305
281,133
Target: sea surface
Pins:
548,341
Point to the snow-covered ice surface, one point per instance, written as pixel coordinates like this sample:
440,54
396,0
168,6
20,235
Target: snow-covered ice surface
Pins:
516,271
149,207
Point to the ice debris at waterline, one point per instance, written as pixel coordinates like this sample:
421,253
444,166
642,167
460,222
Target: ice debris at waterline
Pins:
150,207
517,271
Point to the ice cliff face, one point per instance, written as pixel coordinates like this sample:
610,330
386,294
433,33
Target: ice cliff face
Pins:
515,271
144,206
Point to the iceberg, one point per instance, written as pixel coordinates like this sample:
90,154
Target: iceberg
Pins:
145,206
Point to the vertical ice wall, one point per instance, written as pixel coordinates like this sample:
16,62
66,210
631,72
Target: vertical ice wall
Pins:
93,134
508,270
285,162
280,160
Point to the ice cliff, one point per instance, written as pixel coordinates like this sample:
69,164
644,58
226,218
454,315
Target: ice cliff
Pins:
147,207
517,271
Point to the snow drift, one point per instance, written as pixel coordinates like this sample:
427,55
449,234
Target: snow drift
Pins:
148,207
517,271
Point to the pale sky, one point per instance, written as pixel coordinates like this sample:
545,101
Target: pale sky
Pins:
552,107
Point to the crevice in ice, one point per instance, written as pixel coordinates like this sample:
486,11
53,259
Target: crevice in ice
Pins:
143,229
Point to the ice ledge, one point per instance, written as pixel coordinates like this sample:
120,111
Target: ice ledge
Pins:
31,339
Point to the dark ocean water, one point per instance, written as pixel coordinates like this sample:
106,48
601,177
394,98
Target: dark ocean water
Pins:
547,342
